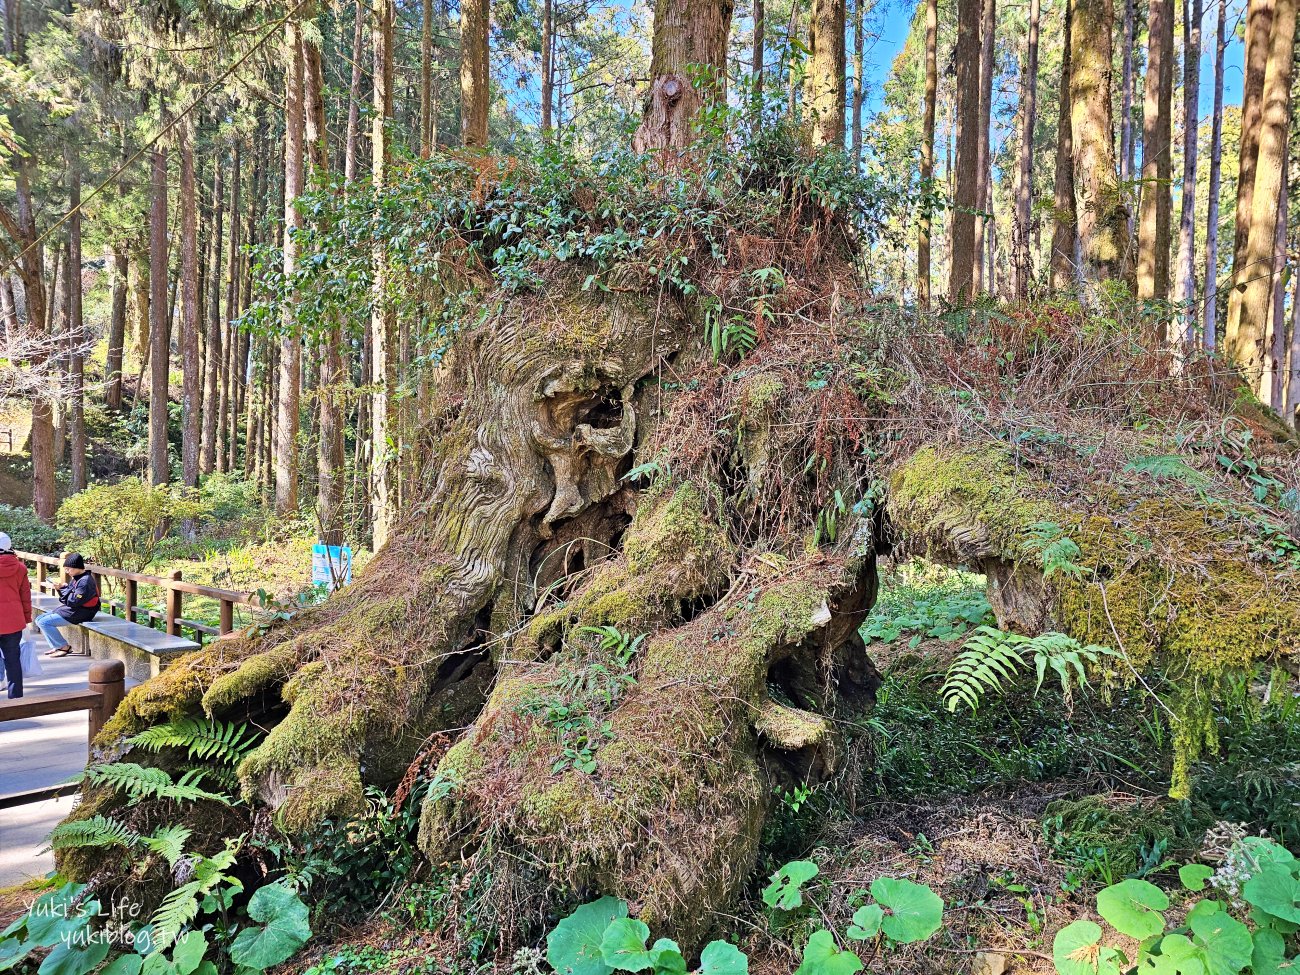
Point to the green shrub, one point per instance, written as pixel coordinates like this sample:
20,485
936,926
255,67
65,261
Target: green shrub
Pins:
29,533
121,524
1254,776
1107,841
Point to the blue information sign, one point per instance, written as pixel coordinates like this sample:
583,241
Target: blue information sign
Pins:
331,565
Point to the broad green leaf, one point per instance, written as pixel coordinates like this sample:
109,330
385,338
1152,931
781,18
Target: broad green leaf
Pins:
124,965
1268,957
667,957
189,951
71,958
1077,950
914,911
1131,907
1194,875
866,922
285,928
783,892
723,958
822,956
54,920
1179,956
573,947
1275,890
623,945
13,951
1225,942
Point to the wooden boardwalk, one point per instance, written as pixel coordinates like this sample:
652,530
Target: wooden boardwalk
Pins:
35,753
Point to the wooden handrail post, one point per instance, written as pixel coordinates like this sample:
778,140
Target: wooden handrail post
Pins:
227,617
173,604
131,596
40,576
63,569
108,679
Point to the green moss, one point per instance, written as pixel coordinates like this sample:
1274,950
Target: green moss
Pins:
1166,574
935,494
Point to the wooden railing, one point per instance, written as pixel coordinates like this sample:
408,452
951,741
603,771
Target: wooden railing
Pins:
50,574
104,692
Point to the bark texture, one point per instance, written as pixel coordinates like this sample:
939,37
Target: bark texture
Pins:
685,34
961,270
475,71
825,95
1157,145
1101,213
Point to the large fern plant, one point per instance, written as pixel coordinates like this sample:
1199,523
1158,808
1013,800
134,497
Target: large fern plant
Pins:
992,659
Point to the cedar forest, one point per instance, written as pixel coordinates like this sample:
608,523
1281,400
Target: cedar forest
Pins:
807,515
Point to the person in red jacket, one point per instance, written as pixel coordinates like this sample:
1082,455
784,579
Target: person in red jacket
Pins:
15,612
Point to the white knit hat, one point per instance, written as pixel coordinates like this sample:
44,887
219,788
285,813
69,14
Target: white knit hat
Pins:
6,543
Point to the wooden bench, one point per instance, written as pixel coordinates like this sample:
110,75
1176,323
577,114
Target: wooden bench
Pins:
144,650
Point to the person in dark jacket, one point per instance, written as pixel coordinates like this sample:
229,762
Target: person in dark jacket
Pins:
80,599
15,613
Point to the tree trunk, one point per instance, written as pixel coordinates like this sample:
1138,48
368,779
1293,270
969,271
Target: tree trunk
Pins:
383,377
1186,294
475,72
859,79
755,65
966,192
1022,265
981,280
287,403
1154,212
78,340
1126,96
824,96
331,379
159,327
1065,227
1259,28
354,97
687,35
210,449
1272,387
1252,284
191,319
31,269
426,77
113,364
927,153
1211,299
1101,214
1293,379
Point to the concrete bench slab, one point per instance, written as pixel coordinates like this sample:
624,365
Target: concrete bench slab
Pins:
144,650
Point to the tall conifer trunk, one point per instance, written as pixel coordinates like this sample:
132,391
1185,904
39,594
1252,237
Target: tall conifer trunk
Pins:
1101,214
925,220
966,192
1065,232
475,71
1022,265
1211,293
287,403
1186,280
685,34
159,326
1154,214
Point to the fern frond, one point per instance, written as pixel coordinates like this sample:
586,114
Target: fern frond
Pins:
168,842
988,658
178,909
992,656
181,906
141,782
95,831
212,741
